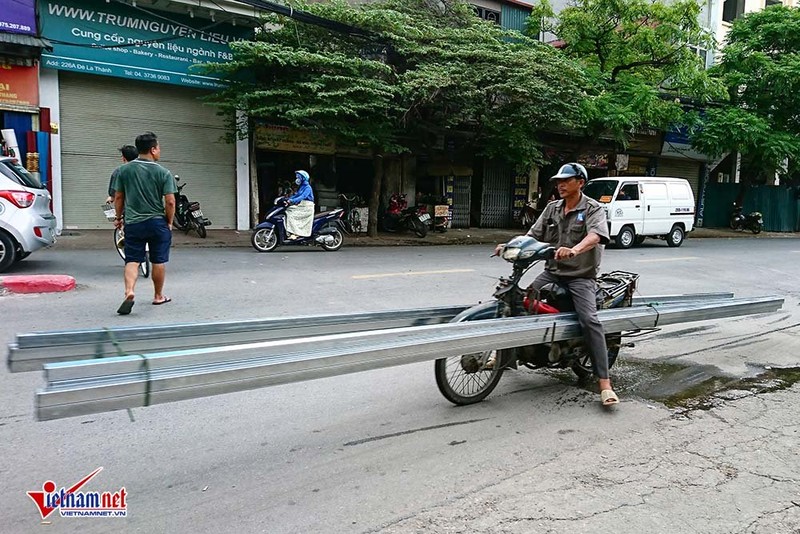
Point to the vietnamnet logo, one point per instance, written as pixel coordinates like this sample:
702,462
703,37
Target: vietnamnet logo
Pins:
73,503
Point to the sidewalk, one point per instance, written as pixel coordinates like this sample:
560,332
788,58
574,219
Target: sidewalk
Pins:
102,239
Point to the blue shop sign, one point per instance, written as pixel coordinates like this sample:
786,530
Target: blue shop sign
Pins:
123,41
18,16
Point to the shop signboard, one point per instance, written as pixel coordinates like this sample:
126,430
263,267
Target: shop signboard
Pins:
283,138
19,88
124,41
18,16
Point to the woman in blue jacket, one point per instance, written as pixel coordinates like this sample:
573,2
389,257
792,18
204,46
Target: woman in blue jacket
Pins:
300,212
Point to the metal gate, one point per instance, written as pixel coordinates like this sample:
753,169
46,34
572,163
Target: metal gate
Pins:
498,192
461,201
100,114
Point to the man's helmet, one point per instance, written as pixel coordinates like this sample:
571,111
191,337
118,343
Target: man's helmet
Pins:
571,170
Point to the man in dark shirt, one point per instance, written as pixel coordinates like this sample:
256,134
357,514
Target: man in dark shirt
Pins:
129,153
576,225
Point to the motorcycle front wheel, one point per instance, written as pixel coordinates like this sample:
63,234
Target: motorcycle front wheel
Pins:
756,227
464,379
264,239
119,244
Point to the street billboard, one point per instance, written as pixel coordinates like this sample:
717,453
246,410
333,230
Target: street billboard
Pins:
18,16
124,41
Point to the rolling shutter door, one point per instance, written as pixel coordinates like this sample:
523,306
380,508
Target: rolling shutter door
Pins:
681,168
99,114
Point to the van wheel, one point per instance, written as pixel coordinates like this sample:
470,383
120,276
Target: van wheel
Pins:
639,240
625,237
675,237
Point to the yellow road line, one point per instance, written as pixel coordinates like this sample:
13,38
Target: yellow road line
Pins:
668,259
410,273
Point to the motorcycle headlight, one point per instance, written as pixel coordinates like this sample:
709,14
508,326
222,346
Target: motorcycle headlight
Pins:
511,254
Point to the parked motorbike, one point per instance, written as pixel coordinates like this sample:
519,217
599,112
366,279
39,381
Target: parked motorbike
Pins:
399,216
469,378
753,221
528,215
325,230
188,215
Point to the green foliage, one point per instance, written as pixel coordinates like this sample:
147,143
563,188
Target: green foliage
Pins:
433,67
760,68
636,58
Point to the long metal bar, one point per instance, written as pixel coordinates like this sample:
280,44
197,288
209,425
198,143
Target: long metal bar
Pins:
78,388
30,351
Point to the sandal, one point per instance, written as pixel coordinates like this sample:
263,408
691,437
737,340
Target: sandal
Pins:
608,397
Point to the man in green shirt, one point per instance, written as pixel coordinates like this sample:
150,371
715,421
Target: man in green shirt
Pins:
146,192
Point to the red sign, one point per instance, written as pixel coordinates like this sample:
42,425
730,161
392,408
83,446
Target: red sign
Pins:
19,87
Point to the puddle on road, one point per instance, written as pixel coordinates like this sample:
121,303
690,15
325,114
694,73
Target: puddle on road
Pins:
686,388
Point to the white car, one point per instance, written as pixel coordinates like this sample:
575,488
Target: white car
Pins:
26,222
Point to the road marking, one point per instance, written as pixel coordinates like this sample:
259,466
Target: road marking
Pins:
668,259
410,273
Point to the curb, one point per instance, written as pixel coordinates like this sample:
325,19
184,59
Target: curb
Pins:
37,283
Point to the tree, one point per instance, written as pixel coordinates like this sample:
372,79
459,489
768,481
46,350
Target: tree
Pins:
760,68
432,67
638,59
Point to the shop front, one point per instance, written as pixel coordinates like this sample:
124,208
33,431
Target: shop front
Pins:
24,126
334,168
117,71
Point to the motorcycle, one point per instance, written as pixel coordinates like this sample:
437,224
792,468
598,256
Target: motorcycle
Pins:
325,230
401,217
188,215
753,221
469,378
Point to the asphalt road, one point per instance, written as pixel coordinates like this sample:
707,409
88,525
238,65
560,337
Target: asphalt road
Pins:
382,451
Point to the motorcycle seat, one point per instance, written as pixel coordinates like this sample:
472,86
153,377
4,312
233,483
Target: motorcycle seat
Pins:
322,214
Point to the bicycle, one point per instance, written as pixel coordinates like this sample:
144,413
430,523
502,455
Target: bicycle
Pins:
351,222
119,241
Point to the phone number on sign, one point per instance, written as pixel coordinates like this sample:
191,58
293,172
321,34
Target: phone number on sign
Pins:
14,26
148,75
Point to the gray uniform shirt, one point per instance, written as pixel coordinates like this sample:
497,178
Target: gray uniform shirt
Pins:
554,228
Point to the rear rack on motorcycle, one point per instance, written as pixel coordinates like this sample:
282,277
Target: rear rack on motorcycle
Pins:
616,289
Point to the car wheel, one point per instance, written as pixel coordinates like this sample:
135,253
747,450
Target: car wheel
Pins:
675,237
8,251
625,237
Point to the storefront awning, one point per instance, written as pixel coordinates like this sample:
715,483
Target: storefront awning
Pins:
21,45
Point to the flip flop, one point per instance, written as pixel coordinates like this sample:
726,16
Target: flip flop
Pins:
166,299
608,397
126,307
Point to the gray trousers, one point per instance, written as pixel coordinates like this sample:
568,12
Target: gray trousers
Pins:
584,294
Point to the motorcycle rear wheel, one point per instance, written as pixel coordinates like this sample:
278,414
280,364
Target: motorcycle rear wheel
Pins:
756,228
583,366
201,229
264,239
419,228
461,382
338,241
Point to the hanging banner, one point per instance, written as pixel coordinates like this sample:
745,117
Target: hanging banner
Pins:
19,88
18,16
120,40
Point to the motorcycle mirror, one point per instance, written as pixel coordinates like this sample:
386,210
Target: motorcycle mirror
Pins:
177,178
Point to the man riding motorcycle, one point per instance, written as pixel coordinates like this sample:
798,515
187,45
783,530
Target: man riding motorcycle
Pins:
300,210
576,226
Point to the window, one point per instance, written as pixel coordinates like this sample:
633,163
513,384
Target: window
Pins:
628,192
600,190
15,171
655,191
732,9
679,192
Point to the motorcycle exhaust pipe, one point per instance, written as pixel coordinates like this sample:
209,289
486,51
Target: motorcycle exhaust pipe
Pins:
325,239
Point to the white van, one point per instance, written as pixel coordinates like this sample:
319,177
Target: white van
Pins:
638,207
